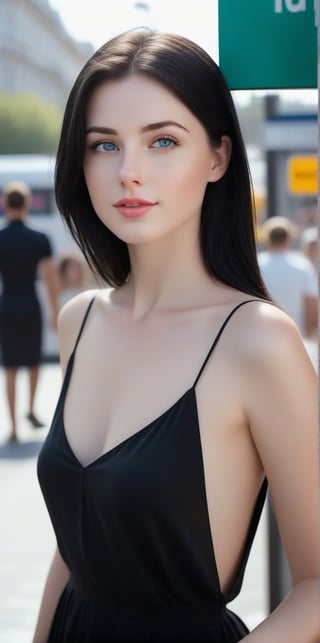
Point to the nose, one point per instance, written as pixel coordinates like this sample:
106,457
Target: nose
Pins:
131,170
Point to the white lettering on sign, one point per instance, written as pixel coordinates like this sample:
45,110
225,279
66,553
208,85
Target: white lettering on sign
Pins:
317,13
290,5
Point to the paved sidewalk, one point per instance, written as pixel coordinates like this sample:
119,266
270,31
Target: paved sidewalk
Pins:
26,536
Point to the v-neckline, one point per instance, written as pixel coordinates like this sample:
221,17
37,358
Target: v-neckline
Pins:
146,428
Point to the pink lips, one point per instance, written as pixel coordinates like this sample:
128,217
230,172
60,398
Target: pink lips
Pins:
132,207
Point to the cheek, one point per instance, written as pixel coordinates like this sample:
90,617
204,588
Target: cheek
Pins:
189,181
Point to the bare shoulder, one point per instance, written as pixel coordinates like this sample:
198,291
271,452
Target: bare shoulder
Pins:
279,380
74,309
70,319
267,335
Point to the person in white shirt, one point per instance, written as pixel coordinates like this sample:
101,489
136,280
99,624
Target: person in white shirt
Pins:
290,276
310,245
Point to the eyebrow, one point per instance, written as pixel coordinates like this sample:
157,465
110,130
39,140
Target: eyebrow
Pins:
147,128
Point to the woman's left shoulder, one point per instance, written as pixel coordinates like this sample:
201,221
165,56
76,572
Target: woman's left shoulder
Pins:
268,335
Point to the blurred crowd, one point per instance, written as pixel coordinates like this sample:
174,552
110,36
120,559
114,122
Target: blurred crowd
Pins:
289,262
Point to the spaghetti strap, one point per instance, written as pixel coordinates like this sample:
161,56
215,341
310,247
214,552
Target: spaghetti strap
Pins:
83,323
247,301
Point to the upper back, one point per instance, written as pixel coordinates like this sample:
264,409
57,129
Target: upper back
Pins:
21,249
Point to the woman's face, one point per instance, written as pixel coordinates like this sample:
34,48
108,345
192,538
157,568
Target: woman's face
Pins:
147,159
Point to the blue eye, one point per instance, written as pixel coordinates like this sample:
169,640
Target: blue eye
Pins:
164,142
107,146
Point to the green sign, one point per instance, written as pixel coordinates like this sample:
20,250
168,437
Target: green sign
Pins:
268,44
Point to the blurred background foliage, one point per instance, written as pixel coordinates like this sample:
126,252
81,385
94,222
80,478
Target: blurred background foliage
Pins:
28,124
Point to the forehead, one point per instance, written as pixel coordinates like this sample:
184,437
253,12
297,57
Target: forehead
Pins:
134,98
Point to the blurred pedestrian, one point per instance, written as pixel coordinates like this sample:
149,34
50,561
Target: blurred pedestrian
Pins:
22,251
71,276
290,276
310,245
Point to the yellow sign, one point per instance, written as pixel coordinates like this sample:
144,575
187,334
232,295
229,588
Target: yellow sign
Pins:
303,174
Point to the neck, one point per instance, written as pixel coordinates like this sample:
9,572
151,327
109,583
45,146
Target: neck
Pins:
279,249
15,215
166,275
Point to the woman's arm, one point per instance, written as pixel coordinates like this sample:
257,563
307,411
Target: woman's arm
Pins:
296,620
48,270
56,581
282,409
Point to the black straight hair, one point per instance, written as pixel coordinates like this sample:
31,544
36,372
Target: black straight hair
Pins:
227,227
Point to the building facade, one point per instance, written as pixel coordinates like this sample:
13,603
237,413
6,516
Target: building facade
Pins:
36,53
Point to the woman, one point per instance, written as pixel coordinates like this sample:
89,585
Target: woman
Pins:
23,251
71,276
185,388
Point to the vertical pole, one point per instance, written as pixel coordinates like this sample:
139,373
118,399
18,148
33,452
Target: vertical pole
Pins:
279,573
317,22
317,19
278,570
271,109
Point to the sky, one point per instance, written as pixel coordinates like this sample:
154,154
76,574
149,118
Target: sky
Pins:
96,21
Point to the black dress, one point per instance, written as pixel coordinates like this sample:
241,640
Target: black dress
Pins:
133,528
21,249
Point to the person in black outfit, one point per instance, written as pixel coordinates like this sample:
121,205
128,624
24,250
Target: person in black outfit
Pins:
186,389
22,251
